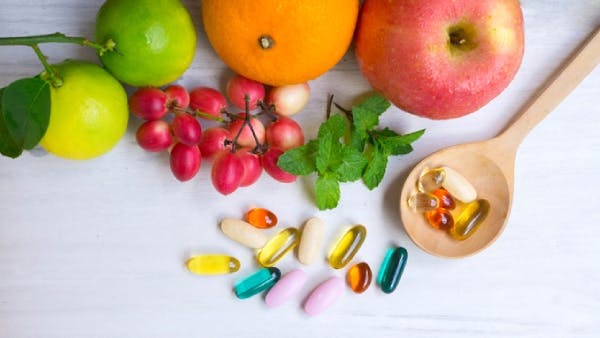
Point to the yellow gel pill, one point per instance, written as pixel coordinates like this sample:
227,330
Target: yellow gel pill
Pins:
212,264
470,219
277,247
347,246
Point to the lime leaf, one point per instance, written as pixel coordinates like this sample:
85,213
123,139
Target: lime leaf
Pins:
26,112
8,146
375,169
352,165
327,191
329,146
300,160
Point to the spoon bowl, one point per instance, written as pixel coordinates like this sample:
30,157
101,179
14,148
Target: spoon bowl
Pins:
490,182
489,165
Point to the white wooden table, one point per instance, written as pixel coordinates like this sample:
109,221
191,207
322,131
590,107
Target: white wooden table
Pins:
96,248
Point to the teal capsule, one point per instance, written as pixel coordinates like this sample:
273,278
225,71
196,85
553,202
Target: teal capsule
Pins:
391,269
257,282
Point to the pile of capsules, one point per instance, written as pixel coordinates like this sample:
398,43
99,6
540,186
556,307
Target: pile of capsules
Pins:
307,242
449,202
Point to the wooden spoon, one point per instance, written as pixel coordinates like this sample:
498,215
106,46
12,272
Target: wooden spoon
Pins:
489,165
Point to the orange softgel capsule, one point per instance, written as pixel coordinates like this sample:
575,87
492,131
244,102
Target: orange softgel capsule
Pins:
439,218
359,277
446,200
261,218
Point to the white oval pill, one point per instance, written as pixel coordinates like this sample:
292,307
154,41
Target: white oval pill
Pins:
458,186
243,233
310,241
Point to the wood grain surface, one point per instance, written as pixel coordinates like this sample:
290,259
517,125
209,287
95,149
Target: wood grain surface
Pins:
97,248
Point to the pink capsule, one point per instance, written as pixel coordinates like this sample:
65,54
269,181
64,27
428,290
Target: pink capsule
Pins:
324,295
286,288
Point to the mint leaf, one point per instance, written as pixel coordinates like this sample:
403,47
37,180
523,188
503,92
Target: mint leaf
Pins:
375,103
393,143
329,146
375,169
327,191
300,160
365,117
26,112
364,120
352,165
8,146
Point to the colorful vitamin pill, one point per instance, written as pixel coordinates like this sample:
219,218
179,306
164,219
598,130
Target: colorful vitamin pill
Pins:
323,296
310,241
431,179
423,201
458,186
470,219
278,246
261,218
359,277
257,282
243,233
444,198
439,218
391,269
212,264
288,286
347,246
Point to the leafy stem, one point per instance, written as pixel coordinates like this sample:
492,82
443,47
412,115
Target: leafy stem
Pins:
34,41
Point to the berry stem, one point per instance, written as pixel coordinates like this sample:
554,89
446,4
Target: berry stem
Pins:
269,110
259,149
206,116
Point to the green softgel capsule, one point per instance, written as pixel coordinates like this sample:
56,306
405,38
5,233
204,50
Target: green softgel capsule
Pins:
391,269
257,282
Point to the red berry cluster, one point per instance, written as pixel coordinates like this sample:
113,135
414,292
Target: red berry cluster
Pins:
240,147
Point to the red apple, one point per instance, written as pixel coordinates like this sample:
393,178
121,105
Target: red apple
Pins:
440,59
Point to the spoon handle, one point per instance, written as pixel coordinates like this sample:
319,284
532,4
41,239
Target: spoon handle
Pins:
555,90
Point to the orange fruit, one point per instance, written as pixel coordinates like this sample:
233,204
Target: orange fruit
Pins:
280,42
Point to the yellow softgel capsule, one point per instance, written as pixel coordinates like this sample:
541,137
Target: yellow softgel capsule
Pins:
347,246
470,219
212,264
278,246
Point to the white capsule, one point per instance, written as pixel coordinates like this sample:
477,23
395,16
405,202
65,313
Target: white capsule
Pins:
243,233
310,241
458,186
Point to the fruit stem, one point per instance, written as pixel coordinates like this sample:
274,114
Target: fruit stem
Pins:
50,74
259,149
199,113
269,110
57,37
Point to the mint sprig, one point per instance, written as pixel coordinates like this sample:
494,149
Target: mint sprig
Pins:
348,148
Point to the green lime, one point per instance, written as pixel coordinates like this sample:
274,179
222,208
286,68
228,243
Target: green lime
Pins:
88,113
155,40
